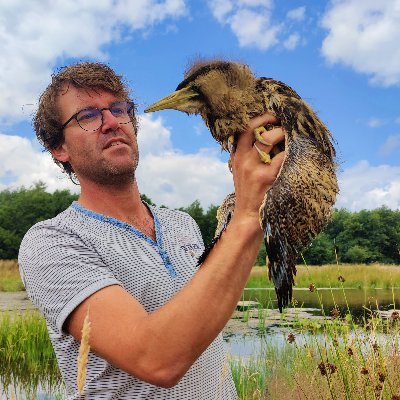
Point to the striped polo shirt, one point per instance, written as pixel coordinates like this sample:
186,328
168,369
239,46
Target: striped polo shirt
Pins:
66,259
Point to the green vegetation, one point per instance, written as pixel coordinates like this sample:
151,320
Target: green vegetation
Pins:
357,276
330,363
10,280
22,208
331,357
366,236
27,359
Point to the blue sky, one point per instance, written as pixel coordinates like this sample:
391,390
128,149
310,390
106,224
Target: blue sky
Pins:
341,56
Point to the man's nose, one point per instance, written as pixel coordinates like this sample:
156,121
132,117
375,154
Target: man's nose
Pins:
109,122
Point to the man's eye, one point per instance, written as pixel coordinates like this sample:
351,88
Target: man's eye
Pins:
118,110
87,115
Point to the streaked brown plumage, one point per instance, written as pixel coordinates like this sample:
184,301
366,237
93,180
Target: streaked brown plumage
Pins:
298,205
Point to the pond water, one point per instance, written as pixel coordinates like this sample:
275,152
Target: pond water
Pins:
242,334
356,301
361,304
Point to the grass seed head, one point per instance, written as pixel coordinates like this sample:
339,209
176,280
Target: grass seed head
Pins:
322,368
332,368
83,354
375,346
335,313
291,337
395,315
312,287
350,351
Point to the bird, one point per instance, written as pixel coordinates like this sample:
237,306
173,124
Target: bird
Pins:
298,205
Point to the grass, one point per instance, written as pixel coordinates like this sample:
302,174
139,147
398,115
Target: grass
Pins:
334,359
359,276
27,359
10,280
335,364
331,362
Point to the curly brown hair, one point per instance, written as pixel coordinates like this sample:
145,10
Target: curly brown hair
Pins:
85,75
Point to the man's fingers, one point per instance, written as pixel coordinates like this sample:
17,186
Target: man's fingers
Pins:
246,138
273,136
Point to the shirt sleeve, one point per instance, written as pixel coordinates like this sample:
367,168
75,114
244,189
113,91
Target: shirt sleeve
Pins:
60,270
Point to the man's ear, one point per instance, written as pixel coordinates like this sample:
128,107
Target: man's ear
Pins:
60,153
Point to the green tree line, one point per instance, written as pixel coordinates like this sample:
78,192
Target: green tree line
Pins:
350,237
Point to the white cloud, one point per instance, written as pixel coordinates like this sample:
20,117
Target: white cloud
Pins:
374,122
391,144
297,14
176,179
292,41
367,187
250,21
173,178
34,35
164,174
254,29
221,9
364,36
23,163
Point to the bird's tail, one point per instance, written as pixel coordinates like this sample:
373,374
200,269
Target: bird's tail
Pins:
281,262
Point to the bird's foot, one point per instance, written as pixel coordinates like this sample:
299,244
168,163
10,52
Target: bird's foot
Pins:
265,157
257,134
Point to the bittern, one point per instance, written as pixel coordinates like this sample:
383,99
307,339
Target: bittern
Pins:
298,205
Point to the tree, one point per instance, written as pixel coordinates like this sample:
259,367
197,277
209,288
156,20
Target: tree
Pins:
22,208
321,251
207,222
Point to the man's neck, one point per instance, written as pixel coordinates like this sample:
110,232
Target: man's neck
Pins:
119,201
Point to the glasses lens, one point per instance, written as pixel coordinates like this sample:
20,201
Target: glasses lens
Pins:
89,119
121,111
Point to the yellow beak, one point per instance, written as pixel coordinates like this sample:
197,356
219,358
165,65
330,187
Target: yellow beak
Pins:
179,100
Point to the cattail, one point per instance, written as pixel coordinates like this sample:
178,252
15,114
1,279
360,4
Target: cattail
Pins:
83,353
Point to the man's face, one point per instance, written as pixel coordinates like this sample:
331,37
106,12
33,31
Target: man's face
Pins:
106,156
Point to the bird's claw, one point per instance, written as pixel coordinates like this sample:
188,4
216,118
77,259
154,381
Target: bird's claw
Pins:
265,157
258,137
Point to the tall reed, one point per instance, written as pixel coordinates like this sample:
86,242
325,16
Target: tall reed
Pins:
27,359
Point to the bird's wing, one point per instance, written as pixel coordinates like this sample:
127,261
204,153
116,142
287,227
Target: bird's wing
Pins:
299,203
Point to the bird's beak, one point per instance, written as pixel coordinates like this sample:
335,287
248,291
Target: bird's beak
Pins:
179,100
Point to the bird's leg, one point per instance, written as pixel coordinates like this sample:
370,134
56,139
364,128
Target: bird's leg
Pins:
265,157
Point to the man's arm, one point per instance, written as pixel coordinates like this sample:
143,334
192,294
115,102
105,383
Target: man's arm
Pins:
161,346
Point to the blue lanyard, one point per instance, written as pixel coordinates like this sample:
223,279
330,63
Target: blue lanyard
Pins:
123,225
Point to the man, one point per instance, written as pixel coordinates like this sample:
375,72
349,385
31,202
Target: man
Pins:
155,317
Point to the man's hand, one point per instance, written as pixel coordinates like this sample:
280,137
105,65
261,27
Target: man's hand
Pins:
251,176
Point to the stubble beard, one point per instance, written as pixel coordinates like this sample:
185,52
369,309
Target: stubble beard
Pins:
106,174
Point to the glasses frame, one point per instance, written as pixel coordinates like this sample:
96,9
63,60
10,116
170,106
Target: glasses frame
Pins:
130,110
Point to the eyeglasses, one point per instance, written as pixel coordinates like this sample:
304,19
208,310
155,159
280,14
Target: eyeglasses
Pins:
91,119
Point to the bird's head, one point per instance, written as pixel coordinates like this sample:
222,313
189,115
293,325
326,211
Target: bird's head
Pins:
218,91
